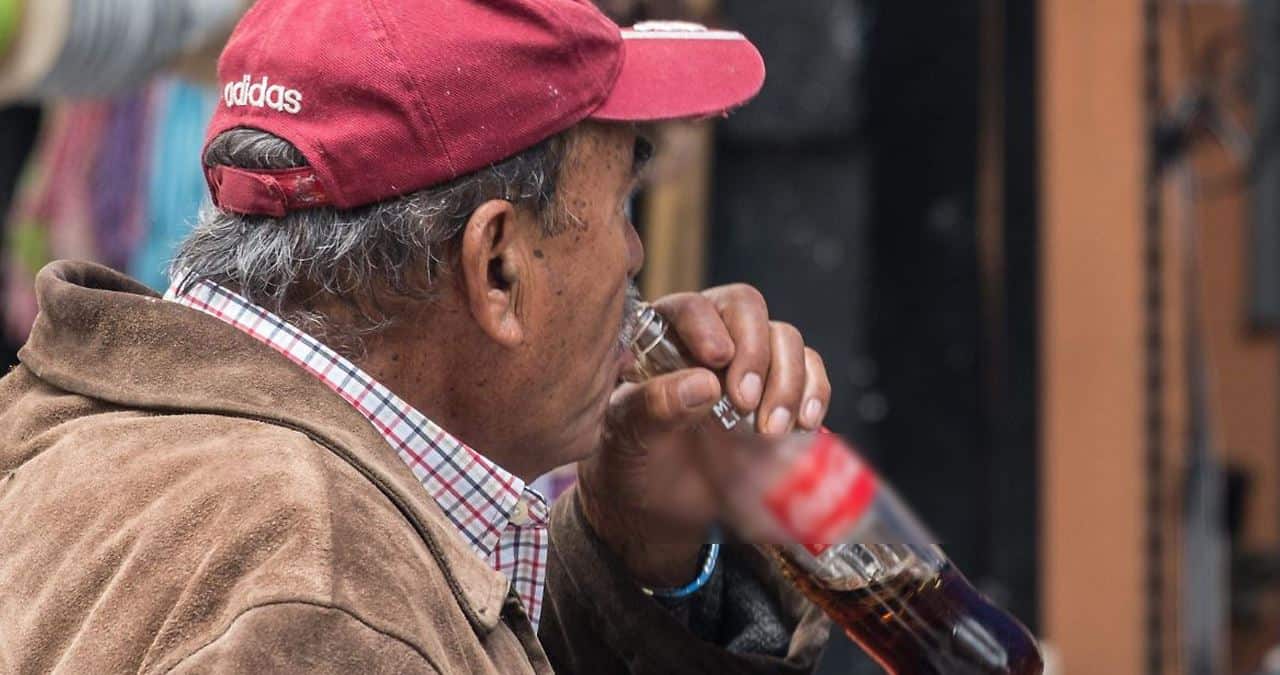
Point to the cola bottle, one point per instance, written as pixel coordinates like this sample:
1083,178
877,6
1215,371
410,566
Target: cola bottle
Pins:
845,540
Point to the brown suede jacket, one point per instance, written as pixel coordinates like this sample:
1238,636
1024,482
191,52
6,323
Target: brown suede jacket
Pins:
175,496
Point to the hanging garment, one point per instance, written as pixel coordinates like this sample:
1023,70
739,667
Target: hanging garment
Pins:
81,197
176,192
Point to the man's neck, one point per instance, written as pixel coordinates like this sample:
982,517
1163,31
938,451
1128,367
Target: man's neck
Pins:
460,389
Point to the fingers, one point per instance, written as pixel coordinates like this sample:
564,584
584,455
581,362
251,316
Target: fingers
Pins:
817,391
698,323
769,370
664,404
780,406
746,317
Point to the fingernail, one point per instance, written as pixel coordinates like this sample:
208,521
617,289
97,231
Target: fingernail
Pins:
750,389
813,412
779,421
696,391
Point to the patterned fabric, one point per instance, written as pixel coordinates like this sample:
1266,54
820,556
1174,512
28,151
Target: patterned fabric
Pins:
503,520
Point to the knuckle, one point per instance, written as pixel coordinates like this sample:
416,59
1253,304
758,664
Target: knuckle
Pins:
739,293
701,307
677,303
685,298
787,333
822,389
693,310
816,362
751,294
656,401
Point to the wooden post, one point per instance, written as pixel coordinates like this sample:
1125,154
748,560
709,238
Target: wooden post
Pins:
1093,142
677,210
677,205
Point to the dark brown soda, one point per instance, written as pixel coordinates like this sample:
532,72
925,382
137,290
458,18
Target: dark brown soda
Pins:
926,624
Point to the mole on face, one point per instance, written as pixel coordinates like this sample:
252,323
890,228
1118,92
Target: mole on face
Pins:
537,253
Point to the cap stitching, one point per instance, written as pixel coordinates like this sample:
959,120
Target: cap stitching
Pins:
601,96
385,39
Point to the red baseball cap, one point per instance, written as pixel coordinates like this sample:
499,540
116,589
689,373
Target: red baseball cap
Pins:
385,97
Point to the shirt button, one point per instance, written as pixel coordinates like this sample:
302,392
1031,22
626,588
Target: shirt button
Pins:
520,514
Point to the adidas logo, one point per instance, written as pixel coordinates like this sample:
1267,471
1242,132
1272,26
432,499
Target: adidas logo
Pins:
262,95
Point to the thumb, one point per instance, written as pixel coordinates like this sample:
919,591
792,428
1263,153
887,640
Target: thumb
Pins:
665,403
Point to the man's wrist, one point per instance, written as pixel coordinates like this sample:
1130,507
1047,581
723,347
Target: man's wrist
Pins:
654,556
710,559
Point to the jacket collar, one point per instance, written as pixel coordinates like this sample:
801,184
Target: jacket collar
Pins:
103,335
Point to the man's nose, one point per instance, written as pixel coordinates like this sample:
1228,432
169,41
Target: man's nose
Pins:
635,252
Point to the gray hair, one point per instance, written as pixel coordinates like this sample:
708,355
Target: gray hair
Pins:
398,247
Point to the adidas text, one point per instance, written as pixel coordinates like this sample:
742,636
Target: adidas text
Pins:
262,94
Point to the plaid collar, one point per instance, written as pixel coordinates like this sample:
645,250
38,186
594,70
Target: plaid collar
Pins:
504,520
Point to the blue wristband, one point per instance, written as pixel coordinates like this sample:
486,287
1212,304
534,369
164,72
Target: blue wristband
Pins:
708,568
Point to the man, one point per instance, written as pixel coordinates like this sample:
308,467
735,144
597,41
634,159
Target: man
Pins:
410,300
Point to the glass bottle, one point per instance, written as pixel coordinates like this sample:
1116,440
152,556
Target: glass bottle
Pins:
845,539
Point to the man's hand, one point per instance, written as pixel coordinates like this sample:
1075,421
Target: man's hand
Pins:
647,492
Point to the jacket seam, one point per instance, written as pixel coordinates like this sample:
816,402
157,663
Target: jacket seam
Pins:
308,603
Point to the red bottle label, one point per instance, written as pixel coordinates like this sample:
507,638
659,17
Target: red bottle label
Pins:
824,495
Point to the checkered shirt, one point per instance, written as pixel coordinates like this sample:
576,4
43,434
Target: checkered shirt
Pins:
502,519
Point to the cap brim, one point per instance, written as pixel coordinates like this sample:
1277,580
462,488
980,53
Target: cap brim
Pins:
678,74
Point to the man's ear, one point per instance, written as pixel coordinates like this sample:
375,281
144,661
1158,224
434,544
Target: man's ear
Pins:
494,271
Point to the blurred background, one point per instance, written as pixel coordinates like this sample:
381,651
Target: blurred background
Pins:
1037,242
